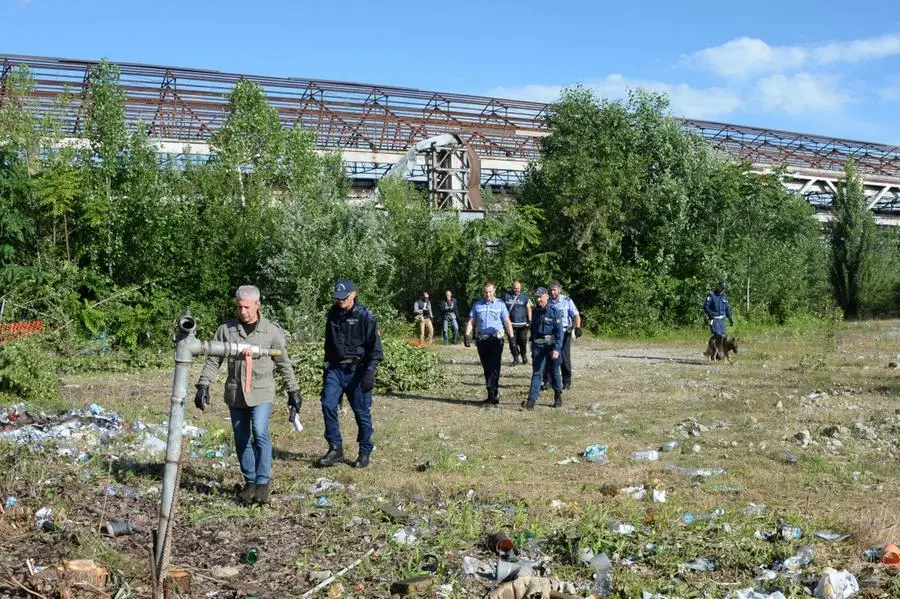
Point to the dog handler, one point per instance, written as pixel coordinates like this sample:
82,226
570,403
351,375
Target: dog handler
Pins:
717,310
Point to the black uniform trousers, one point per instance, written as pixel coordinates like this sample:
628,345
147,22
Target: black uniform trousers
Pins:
565,362
519,341
490,352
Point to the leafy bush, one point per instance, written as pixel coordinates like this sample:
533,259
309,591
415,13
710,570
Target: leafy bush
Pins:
27,373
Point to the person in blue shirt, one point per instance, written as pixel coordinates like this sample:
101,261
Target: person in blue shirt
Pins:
488,319
519,306
571,320
352,354
717,310
547,335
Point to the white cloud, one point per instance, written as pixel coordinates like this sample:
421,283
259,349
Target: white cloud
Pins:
686,101
802,92
745,56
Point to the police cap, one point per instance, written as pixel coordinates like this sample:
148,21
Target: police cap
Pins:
342,289
540,291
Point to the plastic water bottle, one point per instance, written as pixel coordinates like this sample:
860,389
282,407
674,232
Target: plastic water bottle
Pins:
647,455
603,576
713,515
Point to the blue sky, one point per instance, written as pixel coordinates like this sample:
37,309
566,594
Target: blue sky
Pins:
824,67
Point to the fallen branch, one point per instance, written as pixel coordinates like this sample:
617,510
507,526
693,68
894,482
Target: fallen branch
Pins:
334,577
23,587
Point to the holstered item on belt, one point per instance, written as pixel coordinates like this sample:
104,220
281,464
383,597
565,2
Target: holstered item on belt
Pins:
498,335
347,362
545,340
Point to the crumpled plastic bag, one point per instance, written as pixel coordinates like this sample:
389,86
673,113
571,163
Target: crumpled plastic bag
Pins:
836,584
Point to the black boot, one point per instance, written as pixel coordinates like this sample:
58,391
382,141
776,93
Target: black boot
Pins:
524,359
528,404
246,494
557,399
515,360
335,455
362,460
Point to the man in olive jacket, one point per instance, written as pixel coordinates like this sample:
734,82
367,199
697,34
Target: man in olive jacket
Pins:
250,402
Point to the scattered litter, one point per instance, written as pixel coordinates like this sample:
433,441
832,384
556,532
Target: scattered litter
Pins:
804,557
649,595
754,509
321,500
325,484
830,535
10,501
659,495
499,542
890,554
404,536
791,533
557,504
700,564
753,594
788,458
646,455
694,472
569,460
595,453
636,493
603,583
425,465
872,554
724,488
836,584
619,528
475,567
669,446
713,515
507,570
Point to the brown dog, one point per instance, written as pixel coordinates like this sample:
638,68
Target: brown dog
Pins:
719,347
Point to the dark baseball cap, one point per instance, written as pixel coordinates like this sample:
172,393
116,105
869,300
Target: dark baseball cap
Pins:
343,288
540,291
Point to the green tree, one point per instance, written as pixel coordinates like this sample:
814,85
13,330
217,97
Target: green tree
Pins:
851,232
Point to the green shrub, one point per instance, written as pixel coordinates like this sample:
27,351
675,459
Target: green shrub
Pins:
27,373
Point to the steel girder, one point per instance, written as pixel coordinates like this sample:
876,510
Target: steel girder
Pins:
188,105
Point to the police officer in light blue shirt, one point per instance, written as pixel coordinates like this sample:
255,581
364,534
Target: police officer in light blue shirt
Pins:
488,319
571,320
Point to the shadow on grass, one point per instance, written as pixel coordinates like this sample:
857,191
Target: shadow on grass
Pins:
665,359
438,399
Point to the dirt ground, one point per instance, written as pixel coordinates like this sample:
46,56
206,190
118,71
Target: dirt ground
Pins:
805,423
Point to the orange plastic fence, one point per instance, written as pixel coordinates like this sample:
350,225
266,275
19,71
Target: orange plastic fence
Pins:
19,330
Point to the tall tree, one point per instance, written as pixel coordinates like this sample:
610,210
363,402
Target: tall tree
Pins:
852,234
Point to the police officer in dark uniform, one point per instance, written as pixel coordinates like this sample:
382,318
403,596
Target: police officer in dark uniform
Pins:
572,324
547,334
352,353
519,306
717,309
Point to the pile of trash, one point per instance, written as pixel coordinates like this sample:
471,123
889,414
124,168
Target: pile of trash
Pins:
82,432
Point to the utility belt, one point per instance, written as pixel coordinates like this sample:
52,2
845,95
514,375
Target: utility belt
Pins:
519,325
542,340
497,335
345,363
718,317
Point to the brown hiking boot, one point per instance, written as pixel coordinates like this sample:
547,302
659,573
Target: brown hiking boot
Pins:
261,495
246,494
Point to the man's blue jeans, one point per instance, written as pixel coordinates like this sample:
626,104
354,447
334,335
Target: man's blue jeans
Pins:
255,456
541,354
448,324
346,378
